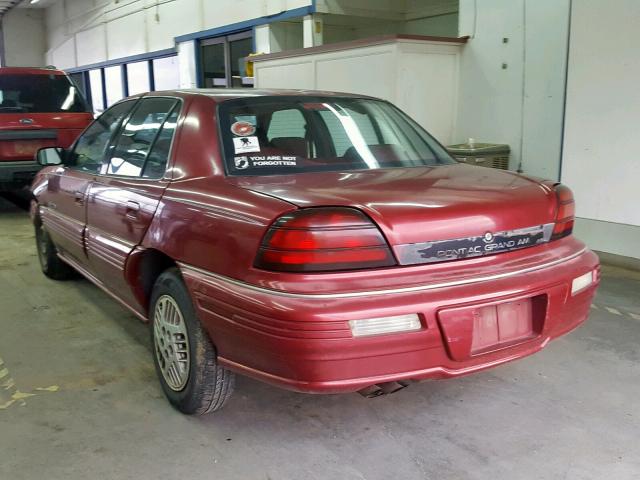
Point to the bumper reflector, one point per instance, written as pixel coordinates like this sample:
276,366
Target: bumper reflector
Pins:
377,326
582,282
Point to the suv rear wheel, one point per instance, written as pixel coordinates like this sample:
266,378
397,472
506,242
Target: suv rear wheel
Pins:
183,355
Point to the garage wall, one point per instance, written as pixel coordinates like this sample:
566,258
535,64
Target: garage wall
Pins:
513,92
401,69
601,159
24,38
83,32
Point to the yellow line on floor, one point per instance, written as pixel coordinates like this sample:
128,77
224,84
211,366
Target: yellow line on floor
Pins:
9,393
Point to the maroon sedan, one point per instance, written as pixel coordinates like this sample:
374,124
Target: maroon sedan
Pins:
319,242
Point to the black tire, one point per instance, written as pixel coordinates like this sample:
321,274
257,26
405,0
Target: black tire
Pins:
209,386
52,266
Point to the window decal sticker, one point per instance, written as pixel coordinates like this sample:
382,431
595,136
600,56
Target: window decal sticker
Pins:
242,163
243,129
261,161
246,144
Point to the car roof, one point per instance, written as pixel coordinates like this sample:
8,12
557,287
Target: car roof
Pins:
30,71
222,94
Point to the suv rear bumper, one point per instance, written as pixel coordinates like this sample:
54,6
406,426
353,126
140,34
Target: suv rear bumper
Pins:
18,174
304,343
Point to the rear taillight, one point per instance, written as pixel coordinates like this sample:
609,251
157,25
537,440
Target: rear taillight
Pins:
323,239
565,212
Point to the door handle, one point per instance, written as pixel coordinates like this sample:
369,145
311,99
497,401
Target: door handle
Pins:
79,195
132,209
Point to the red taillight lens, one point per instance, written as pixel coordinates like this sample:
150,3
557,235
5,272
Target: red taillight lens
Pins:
323,239
565,212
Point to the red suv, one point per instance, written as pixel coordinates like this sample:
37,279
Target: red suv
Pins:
39,108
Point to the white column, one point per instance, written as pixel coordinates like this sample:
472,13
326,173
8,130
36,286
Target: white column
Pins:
187,64
313,29
262,37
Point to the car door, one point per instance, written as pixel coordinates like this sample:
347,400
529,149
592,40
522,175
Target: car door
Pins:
64,206
124,197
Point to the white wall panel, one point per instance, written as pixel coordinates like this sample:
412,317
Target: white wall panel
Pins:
65,55
91,45
297,73
368,71
173,19
602,138
24,38
126,36
429,81
513,92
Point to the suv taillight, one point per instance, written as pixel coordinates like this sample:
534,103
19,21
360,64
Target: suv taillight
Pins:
323,239
564,213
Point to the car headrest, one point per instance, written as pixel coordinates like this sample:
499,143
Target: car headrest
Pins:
291,145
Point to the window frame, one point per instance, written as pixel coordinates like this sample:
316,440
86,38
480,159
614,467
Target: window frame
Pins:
440,153
71,150
178,104
225,40
123,64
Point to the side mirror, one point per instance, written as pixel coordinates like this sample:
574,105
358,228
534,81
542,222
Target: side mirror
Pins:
49,156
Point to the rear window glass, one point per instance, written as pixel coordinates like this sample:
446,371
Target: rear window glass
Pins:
39,94
282,135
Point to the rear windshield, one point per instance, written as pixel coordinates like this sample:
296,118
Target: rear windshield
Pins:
39,94
283,135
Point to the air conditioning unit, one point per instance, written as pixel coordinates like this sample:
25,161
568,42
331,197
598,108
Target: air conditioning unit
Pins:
491,155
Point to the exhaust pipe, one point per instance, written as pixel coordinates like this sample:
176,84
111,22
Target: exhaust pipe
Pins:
380,389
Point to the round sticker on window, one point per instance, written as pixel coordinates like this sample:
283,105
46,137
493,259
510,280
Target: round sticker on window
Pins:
243,129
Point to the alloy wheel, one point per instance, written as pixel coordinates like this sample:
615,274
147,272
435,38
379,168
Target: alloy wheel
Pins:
171,343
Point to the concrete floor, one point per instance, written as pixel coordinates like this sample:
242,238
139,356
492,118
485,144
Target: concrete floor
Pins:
97,412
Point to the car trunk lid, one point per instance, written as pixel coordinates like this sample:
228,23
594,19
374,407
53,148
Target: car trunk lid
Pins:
418,207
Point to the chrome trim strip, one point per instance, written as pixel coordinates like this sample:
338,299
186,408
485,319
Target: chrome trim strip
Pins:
210,208
369,293
61,215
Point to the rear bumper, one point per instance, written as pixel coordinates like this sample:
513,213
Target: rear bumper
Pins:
303,342
18,173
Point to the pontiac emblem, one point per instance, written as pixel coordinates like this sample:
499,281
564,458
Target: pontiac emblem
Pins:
488,237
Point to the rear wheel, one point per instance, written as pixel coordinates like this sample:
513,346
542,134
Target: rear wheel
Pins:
183,355
52,266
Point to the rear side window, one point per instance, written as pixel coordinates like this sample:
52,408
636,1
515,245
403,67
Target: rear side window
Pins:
283,135
156,164
91,147
39,94
140,133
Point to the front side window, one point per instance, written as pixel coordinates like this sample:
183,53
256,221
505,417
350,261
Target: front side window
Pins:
90,149
140,133
282,135
39,94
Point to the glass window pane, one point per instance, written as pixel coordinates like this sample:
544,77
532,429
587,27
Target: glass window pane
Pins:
113,84
138,77
307,134
39,94
166,73
239,50
91,147
213,66
95,79
78,80
156,164
136,137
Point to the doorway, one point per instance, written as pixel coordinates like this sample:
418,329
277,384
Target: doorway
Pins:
223,61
